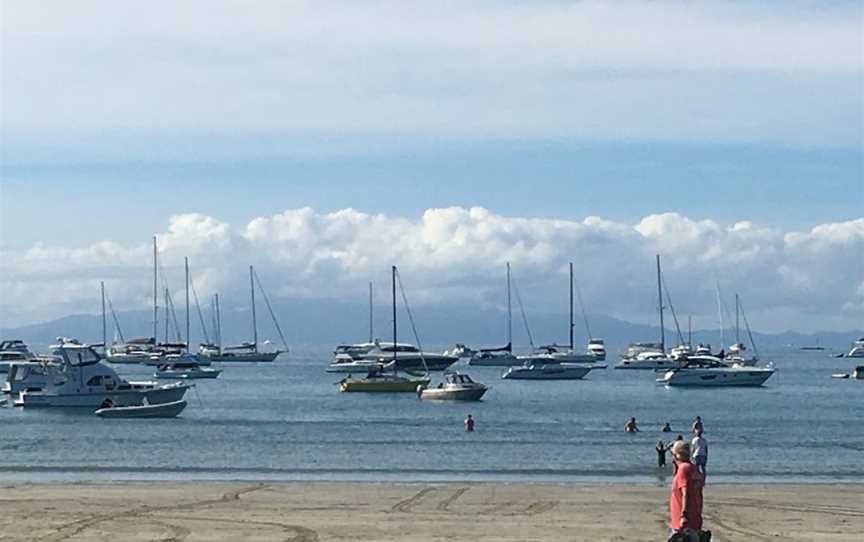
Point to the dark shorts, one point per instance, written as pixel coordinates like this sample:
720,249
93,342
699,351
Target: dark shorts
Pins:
700,460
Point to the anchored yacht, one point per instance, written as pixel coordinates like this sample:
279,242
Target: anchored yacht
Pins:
857,349
80,379
714,373
455,387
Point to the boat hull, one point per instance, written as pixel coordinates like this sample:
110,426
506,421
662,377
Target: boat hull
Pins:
494,361
162,394
164,410
470,394
648,364
187,375
251,357
712,379
408,385
560,371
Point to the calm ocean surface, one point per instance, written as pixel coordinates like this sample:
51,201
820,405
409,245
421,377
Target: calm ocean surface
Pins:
288,421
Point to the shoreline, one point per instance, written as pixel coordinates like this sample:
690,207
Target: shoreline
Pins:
381,511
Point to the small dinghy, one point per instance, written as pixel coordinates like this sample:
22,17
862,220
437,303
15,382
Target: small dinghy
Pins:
161,410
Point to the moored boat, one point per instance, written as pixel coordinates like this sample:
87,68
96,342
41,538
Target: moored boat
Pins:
550,371
162,410
455,387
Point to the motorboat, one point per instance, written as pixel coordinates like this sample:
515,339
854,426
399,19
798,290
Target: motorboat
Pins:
408,357
598,348
550,371
651,360
350,365
636,348
377,381
714,373
554,353
25,375
80,379
494,357
136,350
460,351
162,410
246,352
857,350
16,351
455,387
185,367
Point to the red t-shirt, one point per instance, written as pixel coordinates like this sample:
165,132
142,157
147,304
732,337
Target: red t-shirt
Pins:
687,476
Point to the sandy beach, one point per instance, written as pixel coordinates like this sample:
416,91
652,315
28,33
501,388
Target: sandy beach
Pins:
194,511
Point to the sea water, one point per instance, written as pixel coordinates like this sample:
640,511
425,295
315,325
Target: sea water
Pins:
288,421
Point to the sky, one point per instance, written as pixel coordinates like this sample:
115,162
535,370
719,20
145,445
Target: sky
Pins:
324,141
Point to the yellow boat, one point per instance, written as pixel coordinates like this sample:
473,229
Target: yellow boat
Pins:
383,383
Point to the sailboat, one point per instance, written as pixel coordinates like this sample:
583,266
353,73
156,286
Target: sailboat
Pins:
736,353
349,358
501,356
651,355
246,352
554,353
377,380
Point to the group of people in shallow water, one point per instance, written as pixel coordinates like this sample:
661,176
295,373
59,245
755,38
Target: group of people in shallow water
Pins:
689,461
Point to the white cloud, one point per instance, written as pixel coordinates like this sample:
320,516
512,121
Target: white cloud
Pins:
456,255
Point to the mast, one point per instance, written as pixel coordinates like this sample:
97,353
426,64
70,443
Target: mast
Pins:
393,272
218,324
509,313
571,306
155,295
371,334
254,321
167,317
104,324
690,332
186,265
720,313
737,327
660,299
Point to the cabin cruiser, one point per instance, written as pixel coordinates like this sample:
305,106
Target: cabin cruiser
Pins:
494,357
137,350
550,371
598,348
455,387
15,351
25,375
651,360
349,358
80,379
406,356
183,367
554,353
857,349
634,349
709,371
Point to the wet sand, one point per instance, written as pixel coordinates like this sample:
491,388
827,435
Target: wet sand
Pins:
305,512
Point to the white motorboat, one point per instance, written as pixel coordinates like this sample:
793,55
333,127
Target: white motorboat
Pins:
455,387
713,373
407,357
162,410
460,351
550,371
25,375
598,348
80,379
649,360
554,353
349,365
15,351
857,350
185,367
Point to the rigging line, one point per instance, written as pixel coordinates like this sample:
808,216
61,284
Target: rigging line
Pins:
524,317
116,321
270,309
672,309
582,308
411,321
200,314
749,333
173,316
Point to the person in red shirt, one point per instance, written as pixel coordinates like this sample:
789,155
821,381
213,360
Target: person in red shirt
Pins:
685,500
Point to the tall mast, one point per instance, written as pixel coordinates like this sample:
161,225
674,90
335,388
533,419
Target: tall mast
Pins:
690,332
571,306
167,317
660,299
254,321
509,313
104,324
155,295
186,265
393,272
218,324
737,327
722,323
371,333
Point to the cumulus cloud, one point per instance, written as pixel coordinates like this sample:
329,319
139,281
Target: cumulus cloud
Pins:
455,256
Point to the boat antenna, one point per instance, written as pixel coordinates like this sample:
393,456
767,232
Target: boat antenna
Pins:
186,268
270,310
524,317
411,320
254,322
509,313
660,299
371,331
155,293
750,334
571,307
104,318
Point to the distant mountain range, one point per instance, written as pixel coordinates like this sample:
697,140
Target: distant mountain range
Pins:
326,322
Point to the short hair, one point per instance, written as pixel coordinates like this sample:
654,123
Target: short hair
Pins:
681,448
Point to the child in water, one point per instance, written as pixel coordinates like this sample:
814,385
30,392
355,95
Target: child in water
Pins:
661,453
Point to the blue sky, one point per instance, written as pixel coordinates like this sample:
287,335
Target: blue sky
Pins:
700,127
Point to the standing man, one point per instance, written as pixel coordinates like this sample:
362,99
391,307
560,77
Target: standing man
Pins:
700,452
697,424
469,424
685,500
